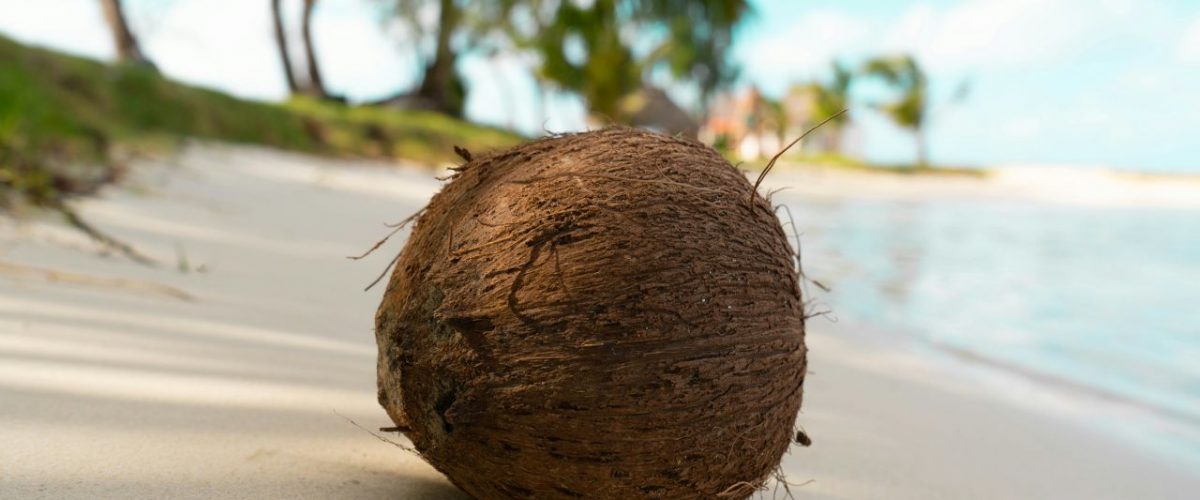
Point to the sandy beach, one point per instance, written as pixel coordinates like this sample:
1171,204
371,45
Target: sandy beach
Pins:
236,368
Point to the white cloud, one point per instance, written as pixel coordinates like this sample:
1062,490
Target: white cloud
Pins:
809,45
1189,44
976,36
1001,34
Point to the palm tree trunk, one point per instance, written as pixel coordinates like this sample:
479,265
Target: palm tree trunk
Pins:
316,85
128,49
281,43
440,86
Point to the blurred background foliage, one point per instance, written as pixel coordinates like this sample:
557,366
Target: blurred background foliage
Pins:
64,119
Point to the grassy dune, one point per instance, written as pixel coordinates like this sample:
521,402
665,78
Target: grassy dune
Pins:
63,117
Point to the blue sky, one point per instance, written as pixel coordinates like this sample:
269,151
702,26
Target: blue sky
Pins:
1087,82
1107,82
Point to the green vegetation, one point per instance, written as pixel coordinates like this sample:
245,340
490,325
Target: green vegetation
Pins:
907,103
910,109
606,66
829,99
61,117
605,50
843,162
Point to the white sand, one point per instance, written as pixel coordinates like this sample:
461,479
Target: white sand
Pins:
112,385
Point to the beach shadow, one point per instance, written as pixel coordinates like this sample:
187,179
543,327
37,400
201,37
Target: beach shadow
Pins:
429,489
385,488
401,479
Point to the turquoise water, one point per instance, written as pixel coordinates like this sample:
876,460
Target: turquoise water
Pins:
1106,299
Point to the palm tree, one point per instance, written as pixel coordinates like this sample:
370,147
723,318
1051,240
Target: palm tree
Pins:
442,86
128,48
281,43
312,83
462,25
910,107
590,48
316,84
599,66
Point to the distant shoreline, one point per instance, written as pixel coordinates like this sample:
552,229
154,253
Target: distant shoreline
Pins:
1072,186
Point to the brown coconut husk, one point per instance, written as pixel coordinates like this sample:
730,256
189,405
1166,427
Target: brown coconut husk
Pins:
611,314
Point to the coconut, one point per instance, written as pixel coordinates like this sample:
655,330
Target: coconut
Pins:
610,314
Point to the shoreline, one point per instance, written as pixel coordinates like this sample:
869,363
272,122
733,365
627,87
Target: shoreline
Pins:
980,427
1017,183
1157,430
1067,386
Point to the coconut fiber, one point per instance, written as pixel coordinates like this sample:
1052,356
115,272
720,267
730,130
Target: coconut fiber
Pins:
609,314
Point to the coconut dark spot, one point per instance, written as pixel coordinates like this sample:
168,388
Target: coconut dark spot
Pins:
568,492
443,404
467,324
517,490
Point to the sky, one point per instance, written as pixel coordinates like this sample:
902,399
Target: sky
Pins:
1089,82
1082,82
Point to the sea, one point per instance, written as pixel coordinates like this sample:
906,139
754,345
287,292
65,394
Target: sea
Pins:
1098,302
